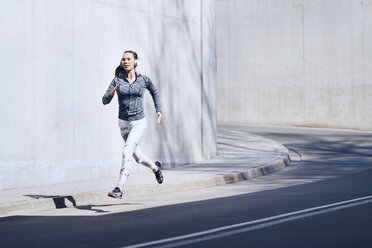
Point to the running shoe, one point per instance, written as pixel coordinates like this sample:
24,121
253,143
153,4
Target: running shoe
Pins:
116,193
158,174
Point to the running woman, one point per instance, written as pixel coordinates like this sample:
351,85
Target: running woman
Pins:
130,87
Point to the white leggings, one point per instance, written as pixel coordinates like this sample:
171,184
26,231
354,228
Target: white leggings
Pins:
132,133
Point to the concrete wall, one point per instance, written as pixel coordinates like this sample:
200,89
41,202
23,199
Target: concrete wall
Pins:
57,60
296,63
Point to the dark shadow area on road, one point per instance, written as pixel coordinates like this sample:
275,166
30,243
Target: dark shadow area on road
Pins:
119,229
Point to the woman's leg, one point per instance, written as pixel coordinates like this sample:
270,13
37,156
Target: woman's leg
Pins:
138,155
132,135
143,159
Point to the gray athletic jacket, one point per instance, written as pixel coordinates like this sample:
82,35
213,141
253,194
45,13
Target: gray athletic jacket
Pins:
130,96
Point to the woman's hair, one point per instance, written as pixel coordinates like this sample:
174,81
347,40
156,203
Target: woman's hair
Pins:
120,69
135,55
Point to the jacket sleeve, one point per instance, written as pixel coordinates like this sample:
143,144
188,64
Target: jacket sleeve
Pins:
154,93
106,99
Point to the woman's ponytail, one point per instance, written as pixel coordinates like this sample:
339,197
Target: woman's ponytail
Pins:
119,70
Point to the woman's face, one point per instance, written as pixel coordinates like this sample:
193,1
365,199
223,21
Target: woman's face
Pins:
128,61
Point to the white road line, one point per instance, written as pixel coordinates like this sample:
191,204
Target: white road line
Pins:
270,221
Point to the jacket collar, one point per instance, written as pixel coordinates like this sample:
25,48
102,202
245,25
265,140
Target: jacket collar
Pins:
124,75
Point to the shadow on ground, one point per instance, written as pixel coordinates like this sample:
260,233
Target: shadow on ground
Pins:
125,228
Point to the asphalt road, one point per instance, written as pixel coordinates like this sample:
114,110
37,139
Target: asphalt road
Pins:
323,199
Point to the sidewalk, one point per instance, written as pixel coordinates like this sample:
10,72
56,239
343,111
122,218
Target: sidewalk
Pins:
241,156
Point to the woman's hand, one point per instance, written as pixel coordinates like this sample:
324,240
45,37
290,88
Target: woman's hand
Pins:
112,93
159,117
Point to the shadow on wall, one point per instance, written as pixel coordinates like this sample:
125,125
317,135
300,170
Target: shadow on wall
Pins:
209,88
180,141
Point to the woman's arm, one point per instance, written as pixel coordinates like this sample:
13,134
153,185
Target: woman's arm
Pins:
110,92
155,97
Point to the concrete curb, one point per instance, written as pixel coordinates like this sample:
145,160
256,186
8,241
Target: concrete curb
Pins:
87,198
